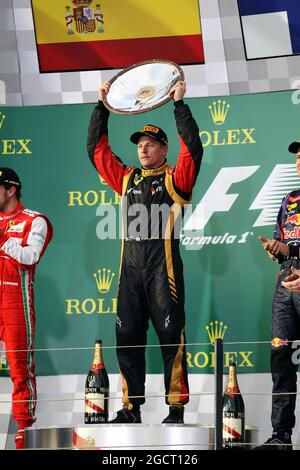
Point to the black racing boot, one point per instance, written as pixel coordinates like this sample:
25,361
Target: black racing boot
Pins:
126,416
175,415
278,441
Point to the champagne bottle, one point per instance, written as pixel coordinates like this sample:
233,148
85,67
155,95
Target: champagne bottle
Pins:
233,412
96,390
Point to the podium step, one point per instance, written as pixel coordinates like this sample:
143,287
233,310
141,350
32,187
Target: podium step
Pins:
127,437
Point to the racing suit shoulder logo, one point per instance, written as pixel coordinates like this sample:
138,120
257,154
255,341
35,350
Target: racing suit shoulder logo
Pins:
30,212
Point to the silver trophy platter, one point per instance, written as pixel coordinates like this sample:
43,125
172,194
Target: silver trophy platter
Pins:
142,87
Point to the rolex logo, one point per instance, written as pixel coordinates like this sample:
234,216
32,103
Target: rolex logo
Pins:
104,278
219,110
215,331
2,117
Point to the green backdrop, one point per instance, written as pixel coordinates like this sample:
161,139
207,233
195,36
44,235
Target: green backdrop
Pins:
229,280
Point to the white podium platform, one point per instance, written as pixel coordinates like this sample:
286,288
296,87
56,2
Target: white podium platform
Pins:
127,437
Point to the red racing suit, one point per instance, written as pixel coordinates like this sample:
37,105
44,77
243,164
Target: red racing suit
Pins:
24,237
151,277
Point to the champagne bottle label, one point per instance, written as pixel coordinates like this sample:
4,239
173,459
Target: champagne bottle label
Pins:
96,367
94,403
232,428
231,391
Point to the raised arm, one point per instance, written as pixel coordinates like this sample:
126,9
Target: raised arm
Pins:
110,167
191,149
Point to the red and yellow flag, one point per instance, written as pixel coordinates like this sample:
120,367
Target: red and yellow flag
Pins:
99,34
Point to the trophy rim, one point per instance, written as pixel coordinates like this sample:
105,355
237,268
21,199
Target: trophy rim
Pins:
130,67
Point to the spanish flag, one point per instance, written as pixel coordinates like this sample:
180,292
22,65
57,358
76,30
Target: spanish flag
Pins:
103,34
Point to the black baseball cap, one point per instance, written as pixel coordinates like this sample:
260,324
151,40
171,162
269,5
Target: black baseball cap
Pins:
9,176
294,147
151,131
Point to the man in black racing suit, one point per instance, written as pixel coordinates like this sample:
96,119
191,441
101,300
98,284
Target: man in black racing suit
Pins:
285,248
151,277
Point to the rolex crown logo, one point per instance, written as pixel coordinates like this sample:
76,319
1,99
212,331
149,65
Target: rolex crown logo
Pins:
2,117
219,110
215,331
104,278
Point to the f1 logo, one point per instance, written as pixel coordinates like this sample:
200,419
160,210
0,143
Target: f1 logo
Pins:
282,179
218,192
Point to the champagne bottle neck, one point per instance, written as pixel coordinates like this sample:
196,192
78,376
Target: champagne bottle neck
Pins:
232,384
98,357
